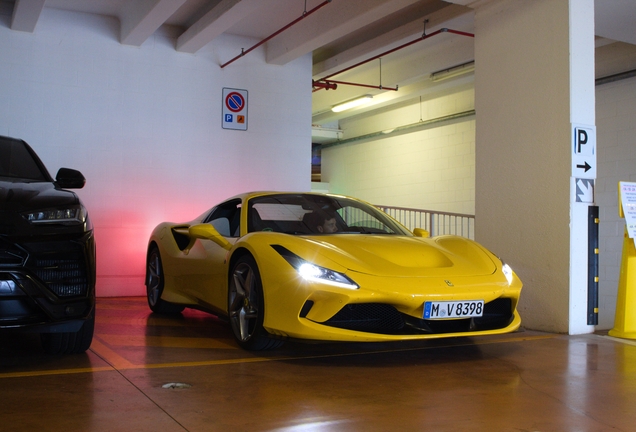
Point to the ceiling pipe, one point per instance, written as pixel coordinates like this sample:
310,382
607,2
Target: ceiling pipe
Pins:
327,85
276,33
332,84
423,37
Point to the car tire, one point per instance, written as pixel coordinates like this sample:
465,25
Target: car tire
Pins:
154,286
70,342
246,306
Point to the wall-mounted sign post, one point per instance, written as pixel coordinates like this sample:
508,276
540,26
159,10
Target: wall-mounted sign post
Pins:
234,109
584,151
625,319
584,219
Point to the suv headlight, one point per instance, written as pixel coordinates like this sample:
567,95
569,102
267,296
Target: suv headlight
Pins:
71,214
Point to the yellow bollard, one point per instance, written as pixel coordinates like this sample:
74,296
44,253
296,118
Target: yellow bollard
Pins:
625,319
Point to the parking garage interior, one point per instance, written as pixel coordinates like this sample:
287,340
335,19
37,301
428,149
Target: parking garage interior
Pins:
478,120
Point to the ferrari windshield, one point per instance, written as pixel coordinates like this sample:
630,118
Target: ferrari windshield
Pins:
318,214
17,162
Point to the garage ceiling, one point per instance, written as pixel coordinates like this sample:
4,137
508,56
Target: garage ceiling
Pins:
339,33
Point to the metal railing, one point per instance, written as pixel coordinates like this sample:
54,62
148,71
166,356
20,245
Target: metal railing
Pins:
436,223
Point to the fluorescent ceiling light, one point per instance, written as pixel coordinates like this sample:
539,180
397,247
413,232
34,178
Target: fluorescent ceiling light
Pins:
453,71
352,103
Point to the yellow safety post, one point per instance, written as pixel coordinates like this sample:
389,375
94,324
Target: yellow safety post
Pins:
625,319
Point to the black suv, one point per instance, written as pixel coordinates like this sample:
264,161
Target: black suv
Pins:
47,252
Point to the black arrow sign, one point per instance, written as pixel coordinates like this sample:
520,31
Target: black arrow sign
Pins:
586,166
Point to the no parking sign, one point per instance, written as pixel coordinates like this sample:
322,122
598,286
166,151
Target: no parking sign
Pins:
234,109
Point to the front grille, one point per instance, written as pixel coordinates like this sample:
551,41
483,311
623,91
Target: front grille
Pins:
497,314
385,319
64,276
61,266
368,317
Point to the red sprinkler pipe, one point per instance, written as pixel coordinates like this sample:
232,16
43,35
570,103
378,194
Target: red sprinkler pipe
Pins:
276,33
327,84
423,37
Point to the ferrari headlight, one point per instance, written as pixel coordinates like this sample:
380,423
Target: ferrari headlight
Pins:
72,214
507,271
315,273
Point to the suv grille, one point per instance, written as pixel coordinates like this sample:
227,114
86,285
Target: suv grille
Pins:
61,266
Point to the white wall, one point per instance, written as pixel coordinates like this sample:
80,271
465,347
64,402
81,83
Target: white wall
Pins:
431,169
616,158
143,124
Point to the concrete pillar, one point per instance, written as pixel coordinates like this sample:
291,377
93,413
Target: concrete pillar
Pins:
534,84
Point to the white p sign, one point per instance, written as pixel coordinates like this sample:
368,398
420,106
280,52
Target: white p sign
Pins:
584,151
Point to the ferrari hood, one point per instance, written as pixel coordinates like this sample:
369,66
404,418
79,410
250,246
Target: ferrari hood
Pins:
396,256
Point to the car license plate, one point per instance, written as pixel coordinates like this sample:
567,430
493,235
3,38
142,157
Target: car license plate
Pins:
453,309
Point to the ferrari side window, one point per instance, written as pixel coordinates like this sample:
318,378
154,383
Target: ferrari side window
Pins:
225,218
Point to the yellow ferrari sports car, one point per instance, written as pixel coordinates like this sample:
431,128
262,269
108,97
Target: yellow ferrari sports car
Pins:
326,267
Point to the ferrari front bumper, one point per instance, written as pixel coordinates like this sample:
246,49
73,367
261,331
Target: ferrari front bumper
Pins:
385,309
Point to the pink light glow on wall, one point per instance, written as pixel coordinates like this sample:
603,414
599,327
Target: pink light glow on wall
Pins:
122,232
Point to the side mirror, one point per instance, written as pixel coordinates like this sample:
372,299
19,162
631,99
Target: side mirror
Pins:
70,179
207,232
419,232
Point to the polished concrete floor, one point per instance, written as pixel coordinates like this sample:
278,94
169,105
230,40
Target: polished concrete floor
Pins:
149,373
